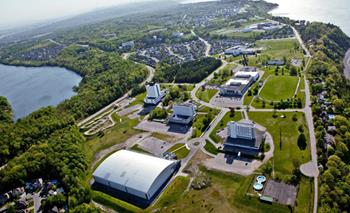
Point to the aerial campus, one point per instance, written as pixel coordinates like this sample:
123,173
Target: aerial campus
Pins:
227,110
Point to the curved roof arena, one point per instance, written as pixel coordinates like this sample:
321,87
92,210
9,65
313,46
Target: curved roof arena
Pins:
135,173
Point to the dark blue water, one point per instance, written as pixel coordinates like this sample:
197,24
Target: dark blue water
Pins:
30,88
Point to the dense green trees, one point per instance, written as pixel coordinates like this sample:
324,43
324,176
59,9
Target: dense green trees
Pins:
19,137
106,77
46,144
5,111
188,72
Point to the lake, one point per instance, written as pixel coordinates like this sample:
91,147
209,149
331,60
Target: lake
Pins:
336,11
30,88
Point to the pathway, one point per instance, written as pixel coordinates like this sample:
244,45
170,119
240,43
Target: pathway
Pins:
298,37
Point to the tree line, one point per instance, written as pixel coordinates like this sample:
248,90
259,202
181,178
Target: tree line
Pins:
188,72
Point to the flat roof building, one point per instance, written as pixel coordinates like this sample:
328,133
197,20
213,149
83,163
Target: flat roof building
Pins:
239,84
133,174
243,136
183,113
154,94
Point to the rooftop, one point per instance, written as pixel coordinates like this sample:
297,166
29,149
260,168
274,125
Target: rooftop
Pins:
132,169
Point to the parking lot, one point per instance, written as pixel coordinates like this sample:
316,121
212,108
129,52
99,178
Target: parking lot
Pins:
174,130
154,145
227,102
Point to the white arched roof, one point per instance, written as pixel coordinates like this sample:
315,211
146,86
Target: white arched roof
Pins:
132,169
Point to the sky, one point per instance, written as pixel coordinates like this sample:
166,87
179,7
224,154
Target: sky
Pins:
17,13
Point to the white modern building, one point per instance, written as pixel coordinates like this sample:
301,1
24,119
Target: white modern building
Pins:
244,137
183,113
154,94
244,130
239,84
138,175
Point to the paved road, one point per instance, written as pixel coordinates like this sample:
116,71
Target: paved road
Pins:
347,65
208,46
298,37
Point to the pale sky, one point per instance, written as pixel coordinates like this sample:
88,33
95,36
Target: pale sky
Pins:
16,13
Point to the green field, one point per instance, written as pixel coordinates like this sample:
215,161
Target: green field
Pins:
287,152
179,150
279,88
277,49
206,95
223,123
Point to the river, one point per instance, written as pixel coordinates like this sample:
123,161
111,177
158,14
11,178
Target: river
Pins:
30,88
336,11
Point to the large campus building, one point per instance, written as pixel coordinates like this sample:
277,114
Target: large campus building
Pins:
154,94
243,136
239,84
183,113
133,176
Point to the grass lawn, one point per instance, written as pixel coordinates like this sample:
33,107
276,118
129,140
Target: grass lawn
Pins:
209,147
179,150
123,130
227,193
138,99
279,88
222,124
304,202
277,49
206,95
287,153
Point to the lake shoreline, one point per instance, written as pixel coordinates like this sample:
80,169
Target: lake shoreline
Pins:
29,88
40,65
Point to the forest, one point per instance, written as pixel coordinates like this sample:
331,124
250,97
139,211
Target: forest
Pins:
46,144
188,72
106,78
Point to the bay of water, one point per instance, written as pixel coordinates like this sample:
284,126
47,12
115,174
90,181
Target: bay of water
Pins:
30,88
329,11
